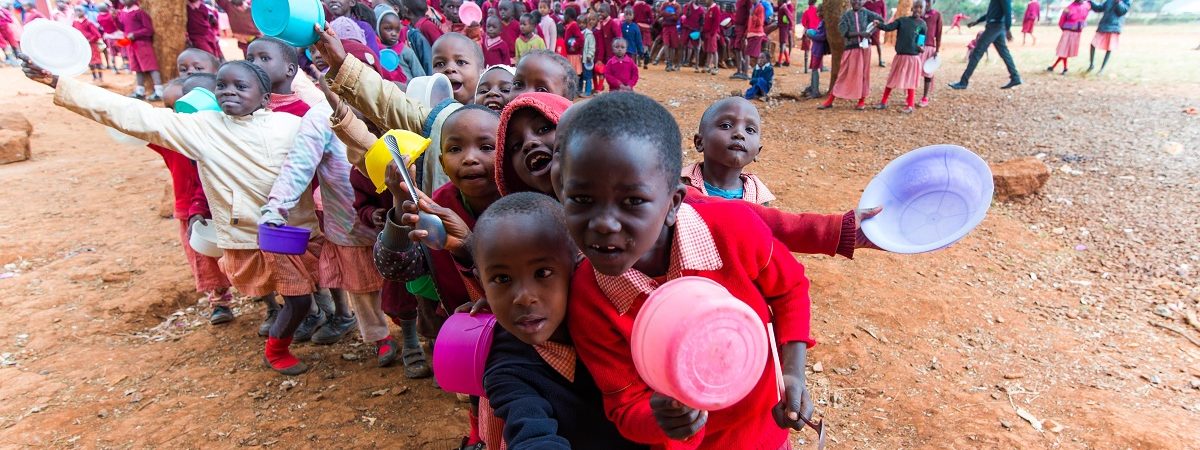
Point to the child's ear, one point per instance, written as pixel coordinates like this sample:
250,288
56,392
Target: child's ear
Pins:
292,68
676,200
698,142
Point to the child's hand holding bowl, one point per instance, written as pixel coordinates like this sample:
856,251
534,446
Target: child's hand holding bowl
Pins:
679,421
36,73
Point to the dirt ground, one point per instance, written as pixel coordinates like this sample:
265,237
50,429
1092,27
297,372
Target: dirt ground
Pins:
1049,313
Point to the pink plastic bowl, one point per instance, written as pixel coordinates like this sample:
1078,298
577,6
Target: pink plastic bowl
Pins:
283,240
461,352
697,343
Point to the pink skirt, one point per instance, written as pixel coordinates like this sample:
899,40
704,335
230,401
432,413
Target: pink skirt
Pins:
906,72
1068,44
854,75
1106,41
927,54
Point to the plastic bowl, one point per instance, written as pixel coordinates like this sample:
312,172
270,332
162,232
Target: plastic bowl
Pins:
932,64
291,21
931,198
60,49
411,145
204,240
461,351
284,240
697,343
430,90
470,13
388,59
124,42
695,35
199,99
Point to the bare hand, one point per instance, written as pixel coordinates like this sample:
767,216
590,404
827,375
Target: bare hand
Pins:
37,73
457,230
677,420
796,403
475,307
330,48
1008,34
379,218
395,182
860,239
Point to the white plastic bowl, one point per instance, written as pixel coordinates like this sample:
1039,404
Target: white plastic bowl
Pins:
932,64
204,240
60,49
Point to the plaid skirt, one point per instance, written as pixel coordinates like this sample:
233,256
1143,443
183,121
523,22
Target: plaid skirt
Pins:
349,268
257,273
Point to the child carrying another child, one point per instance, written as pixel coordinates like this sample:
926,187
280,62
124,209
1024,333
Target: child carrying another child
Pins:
906,67
729,138
620,159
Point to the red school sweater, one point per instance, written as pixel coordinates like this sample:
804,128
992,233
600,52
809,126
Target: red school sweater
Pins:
185,183
755,268
826,234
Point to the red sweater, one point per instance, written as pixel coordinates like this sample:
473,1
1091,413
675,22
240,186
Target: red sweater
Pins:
827,234
756,269
185,182
621,72
509,33
573,35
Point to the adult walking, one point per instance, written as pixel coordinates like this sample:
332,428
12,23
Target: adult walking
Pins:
996,32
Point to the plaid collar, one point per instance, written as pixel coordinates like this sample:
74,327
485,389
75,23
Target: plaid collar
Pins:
559,356
753,189
692,248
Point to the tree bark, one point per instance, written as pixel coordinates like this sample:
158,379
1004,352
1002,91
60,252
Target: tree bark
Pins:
170,32
831,12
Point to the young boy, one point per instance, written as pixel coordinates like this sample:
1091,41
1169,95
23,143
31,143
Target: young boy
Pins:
587,75
194,60
710,33
643,14
534,380
761,79
620,164
669,13
280,61
729,138
460,60
692,22
809,20
495,50
139,29
415,12
546,71
621,71
528,40
510,30
632,34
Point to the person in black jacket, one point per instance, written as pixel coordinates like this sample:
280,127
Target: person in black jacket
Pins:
996,32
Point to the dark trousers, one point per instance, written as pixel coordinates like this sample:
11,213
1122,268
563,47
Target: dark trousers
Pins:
993,34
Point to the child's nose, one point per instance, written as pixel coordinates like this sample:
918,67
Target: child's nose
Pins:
605,223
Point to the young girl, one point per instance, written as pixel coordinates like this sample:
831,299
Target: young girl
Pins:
1108,31
202,27
238,154
854,75
547,26
933,45
495,50
816,62
1033,13
7,41
589,55
392,36
92,34
729,139
786,11
140,31
761,79
360,14
1072,21
622,70
573,35
528,40
495,88
906,67
108,25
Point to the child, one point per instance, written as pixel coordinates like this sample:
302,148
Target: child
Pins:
495,89
621,71
140,31
879,7
786,12
741,17
933,45
460,59
534,380
608,29
573,37
361,15
809,20
547,26
756,34
816,62
761,79
202,27
7,41
729,139
280,61
545,71
669,13
643,14
589,55
690,22
420,30
710,33
510,30
237,159
193,60
1108,31
496,51
528,40
632,35
92,34
956,22
1033,14
241,21
621,149
854,75
906,67
390,32
1072,21
525,145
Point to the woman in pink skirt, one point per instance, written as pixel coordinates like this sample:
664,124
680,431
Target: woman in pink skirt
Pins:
1072,21
854,75
906,67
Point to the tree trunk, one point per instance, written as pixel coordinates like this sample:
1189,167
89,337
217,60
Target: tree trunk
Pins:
170,32
831,13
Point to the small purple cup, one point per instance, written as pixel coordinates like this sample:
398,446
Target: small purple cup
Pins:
284,240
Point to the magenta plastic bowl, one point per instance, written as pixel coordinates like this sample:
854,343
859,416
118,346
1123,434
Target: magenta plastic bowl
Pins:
695,342
461,351
283,240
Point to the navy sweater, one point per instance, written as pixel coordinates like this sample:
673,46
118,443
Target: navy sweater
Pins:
541,409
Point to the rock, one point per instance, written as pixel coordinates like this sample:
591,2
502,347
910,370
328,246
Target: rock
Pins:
1014,376
14,121
1164,311
350,356
166,206
14,146
818,368
1019,177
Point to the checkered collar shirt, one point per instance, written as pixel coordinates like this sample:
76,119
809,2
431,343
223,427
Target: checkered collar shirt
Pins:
559,356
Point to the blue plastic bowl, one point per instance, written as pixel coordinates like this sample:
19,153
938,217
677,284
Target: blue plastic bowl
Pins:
199,99
388,59
283,240
931,198
291,21
695,35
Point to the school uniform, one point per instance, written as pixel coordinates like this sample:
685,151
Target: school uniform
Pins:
394,300
633,38
496,51
1108,30
670,34
710,31
786,12
692,20
854,74
741,16
755,34
906,66
1033,13
202,28
428,29
548,29
643,15
810,19
621,73
879,7
92,35
510,32
933,38
754,190
189,201
241,23
6,35
1072,21
761,80
139,29
408,68
573,35
729,245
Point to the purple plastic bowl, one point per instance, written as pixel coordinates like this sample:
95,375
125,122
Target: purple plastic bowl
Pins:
931,198
283,240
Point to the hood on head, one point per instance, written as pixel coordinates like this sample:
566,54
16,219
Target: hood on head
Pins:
552,106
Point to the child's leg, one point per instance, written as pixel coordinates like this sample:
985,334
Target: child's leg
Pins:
1104,63
814,83
139,86
277,353
887,93
1091,57
828,101
158,84
925,92
908,101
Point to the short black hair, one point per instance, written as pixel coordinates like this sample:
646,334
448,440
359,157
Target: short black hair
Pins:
541,207
195,80
474,107
527,16
626,115
290,54
264,80
570,78
712,109
416,8
478,51
211,57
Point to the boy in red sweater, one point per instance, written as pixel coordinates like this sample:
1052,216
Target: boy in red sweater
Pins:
621,70
620,160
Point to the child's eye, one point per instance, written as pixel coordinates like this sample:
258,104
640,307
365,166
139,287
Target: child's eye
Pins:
544,272
518,85
580,199
541,89
461,62
487,148
634,201
439,64
751,130
501,279
545,129
454,149
725,125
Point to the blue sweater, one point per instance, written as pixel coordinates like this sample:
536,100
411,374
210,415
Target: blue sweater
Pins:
541,409
1114,14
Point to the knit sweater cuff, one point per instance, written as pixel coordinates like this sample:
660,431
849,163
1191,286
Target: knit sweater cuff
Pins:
849,232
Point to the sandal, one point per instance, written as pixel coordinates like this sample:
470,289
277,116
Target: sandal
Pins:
415,366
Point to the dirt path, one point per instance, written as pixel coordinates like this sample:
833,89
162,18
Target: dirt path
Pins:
935,350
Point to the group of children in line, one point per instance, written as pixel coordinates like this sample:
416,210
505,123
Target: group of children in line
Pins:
531,183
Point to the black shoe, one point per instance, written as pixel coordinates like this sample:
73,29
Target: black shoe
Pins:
264,329
309,326
1011,84
958,86
220,315
1050,69
334,329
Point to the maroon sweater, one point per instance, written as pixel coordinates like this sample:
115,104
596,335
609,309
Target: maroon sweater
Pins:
185,182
